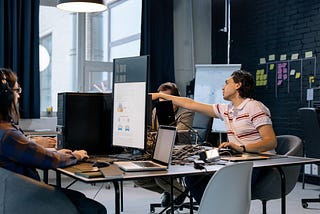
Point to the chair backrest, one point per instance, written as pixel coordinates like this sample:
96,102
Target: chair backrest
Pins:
310,125
267,186
202,123
18,194
229,190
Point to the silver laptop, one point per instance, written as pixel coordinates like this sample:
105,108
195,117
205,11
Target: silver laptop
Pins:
162,153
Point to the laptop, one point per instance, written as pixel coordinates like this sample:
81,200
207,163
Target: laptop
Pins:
162,153
165,113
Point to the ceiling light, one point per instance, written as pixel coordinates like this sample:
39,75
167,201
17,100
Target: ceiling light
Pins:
87,6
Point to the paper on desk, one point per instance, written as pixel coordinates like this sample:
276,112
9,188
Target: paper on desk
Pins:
112,171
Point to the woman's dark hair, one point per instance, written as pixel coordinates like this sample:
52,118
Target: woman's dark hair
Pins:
247,83
170,86
8,108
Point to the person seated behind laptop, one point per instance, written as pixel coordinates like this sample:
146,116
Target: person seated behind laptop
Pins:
22,156
184,119
248,122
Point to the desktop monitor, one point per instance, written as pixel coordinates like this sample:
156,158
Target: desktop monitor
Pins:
165,113
130,101
84,122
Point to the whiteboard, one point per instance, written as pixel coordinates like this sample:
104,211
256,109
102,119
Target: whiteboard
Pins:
209,81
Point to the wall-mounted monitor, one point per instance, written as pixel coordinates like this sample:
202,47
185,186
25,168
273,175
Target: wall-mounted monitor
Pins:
130,101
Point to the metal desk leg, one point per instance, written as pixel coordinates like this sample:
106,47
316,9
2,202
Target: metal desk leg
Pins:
117,196
58,179
283,190
171,195
121,195
45,176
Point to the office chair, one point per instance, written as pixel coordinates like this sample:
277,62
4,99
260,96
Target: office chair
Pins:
202,124
19,193
267,185
310,125
229,190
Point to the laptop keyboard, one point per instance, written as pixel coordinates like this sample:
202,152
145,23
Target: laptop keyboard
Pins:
145,164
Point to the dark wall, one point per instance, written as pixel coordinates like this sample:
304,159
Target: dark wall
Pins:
265,27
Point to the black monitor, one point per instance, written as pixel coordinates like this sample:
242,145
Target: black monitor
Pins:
130,101
84,122
165,113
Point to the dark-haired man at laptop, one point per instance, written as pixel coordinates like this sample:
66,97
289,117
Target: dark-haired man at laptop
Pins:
248,122
184,119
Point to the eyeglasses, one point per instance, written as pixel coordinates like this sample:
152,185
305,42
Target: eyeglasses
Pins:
18,90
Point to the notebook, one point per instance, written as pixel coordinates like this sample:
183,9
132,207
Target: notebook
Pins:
165,113
162,153
245,157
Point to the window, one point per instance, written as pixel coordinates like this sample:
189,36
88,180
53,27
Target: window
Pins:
82,46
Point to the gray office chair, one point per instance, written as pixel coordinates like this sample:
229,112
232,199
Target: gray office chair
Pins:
310,125
228,191
268,183
20,194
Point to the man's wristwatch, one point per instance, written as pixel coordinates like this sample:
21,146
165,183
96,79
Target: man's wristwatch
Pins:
243,148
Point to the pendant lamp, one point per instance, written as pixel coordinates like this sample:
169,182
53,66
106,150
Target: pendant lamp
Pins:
84,6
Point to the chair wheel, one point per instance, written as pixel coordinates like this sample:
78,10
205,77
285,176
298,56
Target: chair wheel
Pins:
152,210
305,205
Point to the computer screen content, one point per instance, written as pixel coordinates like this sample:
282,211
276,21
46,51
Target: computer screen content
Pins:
130,101
129,114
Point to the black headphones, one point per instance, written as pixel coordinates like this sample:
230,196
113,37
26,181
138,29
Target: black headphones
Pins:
4,87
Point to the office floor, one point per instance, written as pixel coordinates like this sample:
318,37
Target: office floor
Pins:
137,200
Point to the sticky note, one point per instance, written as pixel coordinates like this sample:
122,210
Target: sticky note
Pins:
271,67
283,57
272,57
262,60
295,56
292,72
308,54
298,74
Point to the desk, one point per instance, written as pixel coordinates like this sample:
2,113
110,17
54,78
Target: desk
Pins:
181,171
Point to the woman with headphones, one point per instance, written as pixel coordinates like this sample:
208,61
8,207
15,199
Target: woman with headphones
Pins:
23,156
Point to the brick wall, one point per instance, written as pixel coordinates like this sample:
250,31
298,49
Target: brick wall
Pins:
265,27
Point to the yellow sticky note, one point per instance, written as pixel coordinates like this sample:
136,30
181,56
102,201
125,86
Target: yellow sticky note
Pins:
311,79
264,76
262,60
298,74
308,54
283,57
271,67
272,57
295,56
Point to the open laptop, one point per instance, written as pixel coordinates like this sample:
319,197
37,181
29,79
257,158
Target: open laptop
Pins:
165,113
162,153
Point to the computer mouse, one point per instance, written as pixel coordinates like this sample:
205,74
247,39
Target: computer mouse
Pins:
100,164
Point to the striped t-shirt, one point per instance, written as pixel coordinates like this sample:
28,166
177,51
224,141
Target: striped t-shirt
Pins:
242,121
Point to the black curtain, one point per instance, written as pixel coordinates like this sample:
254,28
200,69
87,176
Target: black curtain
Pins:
19,42
157,40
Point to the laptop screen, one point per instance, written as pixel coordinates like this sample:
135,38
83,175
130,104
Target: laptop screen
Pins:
164,145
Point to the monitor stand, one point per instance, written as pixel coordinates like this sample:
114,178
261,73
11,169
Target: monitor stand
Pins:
130,154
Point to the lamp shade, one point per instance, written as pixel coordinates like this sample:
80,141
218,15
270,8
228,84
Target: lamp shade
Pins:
85,6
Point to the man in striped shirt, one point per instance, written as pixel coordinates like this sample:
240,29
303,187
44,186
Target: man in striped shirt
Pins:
248,122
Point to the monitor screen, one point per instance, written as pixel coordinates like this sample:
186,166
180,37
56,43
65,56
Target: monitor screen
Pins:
130,101
165,113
